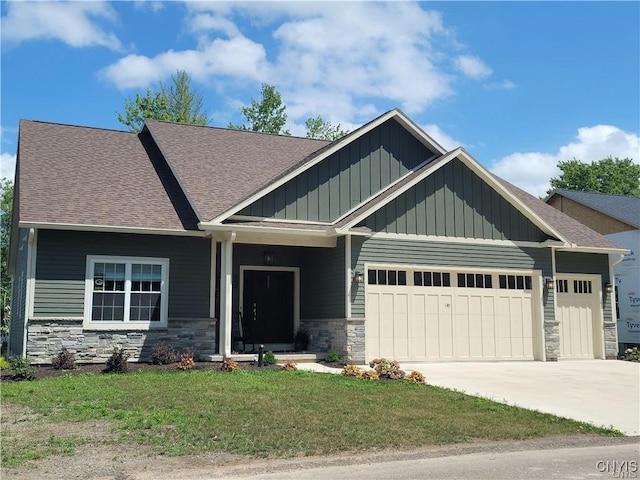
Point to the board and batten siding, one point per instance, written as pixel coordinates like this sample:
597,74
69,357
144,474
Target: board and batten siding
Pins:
588,263
346,178
19,294
447,255
62,260
454,202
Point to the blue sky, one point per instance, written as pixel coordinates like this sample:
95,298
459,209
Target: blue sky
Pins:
520,85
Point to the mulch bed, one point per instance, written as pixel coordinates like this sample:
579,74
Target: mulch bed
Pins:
47,371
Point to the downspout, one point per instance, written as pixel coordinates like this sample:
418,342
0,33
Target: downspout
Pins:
349,276
612,296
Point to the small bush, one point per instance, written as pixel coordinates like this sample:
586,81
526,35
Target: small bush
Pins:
333,356
228,365
290,366
186,362
632,354
370,375
22,369
351,371
65,360
416,377
163,354
117,362
387,368
269,358
4,363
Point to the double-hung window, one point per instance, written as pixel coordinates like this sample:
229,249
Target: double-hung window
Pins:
126,292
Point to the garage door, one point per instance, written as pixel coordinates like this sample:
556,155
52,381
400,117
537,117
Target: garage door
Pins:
426,315
577,308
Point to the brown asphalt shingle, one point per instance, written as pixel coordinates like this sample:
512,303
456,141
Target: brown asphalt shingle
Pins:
218,167
90,176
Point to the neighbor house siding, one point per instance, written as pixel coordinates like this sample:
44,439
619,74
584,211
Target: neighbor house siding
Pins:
454,202
346,178
61,269
601,223
442,254
19,295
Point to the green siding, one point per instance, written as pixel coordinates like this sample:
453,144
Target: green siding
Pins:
443,254
61,269
454,202
19,294
346,178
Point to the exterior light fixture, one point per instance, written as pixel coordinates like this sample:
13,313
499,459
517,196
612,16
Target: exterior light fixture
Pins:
548,283
608,288
268,257
358,277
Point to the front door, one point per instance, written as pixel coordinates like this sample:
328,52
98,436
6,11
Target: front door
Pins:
268,298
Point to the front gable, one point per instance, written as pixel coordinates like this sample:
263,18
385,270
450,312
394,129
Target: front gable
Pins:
454,201
345,179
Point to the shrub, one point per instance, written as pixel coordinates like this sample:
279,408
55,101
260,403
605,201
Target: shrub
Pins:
632,354
289,366
163,354
333,356
387,368
416,377
351,371
370,375
186,362
22,369
228,365
269,358
117,362
65,360
4,363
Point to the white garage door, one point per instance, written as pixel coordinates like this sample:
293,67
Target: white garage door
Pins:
577,310
424,315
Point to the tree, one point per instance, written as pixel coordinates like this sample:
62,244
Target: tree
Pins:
6,203
267,116
609,175
318,127
177,102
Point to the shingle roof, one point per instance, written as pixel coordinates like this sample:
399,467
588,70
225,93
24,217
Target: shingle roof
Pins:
625,208
90,176
574,231
218,167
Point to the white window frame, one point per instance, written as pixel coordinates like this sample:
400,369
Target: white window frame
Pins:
126,324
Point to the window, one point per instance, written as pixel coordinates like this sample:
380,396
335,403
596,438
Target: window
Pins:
387,277
126,292
582,286
515,282
432,279
477,280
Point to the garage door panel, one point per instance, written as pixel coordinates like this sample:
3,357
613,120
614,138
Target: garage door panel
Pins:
577,311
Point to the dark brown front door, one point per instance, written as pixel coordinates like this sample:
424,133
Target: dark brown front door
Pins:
268,306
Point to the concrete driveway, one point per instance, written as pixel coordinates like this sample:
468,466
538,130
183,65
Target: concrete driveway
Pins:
602,392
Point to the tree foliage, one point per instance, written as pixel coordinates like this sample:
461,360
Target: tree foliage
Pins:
609,175
267,115
318,127
177,102
6,203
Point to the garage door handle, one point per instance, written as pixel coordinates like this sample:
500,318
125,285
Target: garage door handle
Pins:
447,305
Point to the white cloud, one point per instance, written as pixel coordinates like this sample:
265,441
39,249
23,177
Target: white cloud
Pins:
532,171
503,85
349,62
445,140
7,166
472,67
148,5
68,22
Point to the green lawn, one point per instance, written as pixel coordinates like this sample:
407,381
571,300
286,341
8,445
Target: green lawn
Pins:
271,413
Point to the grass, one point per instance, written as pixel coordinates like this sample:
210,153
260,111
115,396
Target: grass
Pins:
271,413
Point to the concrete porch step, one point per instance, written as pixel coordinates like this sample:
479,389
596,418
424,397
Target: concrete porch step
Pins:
280,357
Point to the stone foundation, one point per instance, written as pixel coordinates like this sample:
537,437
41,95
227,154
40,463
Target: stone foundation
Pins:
346,336
611,341
552,340
46,339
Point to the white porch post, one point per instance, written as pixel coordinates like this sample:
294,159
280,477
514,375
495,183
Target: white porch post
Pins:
226,271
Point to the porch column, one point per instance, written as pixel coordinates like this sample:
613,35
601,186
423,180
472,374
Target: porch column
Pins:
226,271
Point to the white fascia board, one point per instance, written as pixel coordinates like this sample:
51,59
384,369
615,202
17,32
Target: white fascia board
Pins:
276,220
460,240
397,114
377,206
110,229
212,229
575,248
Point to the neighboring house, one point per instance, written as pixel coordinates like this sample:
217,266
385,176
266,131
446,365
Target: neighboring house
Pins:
617,217
380,244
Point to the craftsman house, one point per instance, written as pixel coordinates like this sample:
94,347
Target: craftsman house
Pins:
380,244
